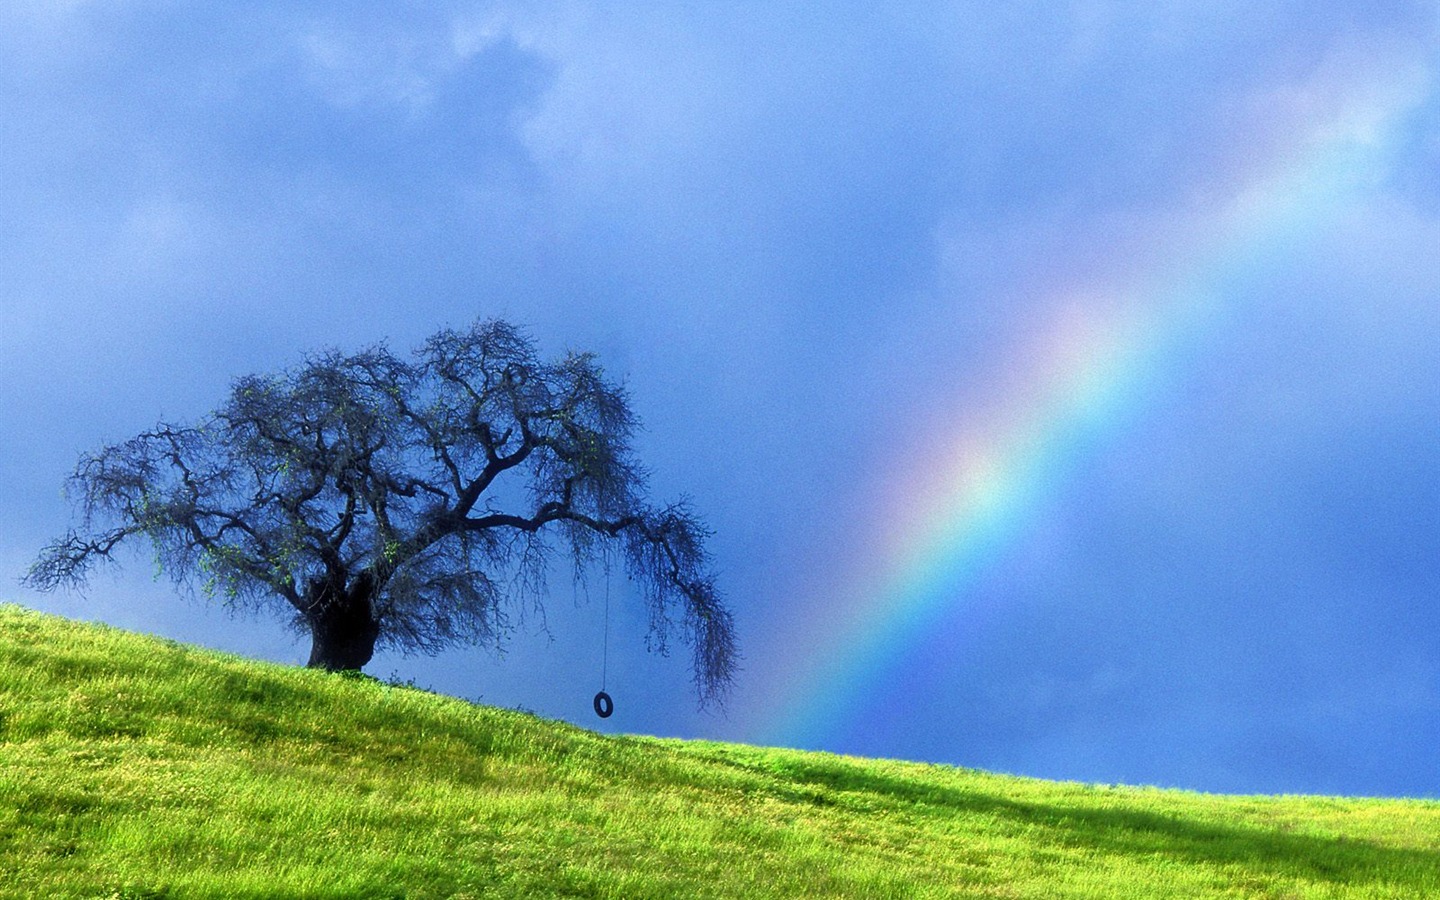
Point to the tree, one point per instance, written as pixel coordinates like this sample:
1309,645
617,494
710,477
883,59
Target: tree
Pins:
385,503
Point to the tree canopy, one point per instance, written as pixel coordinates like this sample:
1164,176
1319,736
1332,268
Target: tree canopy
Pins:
380,502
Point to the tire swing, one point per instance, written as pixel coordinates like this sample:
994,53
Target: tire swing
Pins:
604,706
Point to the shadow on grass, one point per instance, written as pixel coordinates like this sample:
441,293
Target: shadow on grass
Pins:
1256,850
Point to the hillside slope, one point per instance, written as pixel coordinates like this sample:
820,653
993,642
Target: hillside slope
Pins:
136,767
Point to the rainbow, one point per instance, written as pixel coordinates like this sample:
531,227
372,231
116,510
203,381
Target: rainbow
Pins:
1103,357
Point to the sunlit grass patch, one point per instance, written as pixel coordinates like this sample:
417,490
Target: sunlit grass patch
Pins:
131,766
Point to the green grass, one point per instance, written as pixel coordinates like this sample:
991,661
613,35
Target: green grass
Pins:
136,767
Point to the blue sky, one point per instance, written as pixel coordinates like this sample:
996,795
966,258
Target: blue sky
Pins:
811,240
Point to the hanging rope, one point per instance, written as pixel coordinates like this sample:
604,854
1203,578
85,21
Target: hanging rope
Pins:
605,647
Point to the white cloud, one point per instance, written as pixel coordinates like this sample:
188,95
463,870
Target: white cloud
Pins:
402,62
350,68
160,234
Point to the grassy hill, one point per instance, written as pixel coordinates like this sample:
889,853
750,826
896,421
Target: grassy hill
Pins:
136,767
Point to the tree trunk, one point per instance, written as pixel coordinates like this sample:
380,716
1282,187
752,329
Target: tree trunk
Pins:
343,629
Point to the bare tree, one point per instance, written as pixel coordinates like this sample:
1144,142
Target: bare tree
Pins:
385,503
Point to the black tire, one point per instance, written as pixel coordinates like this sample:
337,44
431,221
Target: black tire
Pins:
604,706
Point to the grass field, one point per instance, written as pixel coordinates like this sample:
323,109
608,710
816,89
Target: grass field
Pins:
136,767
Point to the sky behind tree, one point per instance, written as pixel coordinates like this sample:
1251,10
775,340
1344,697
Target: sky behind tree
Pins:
1061,381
